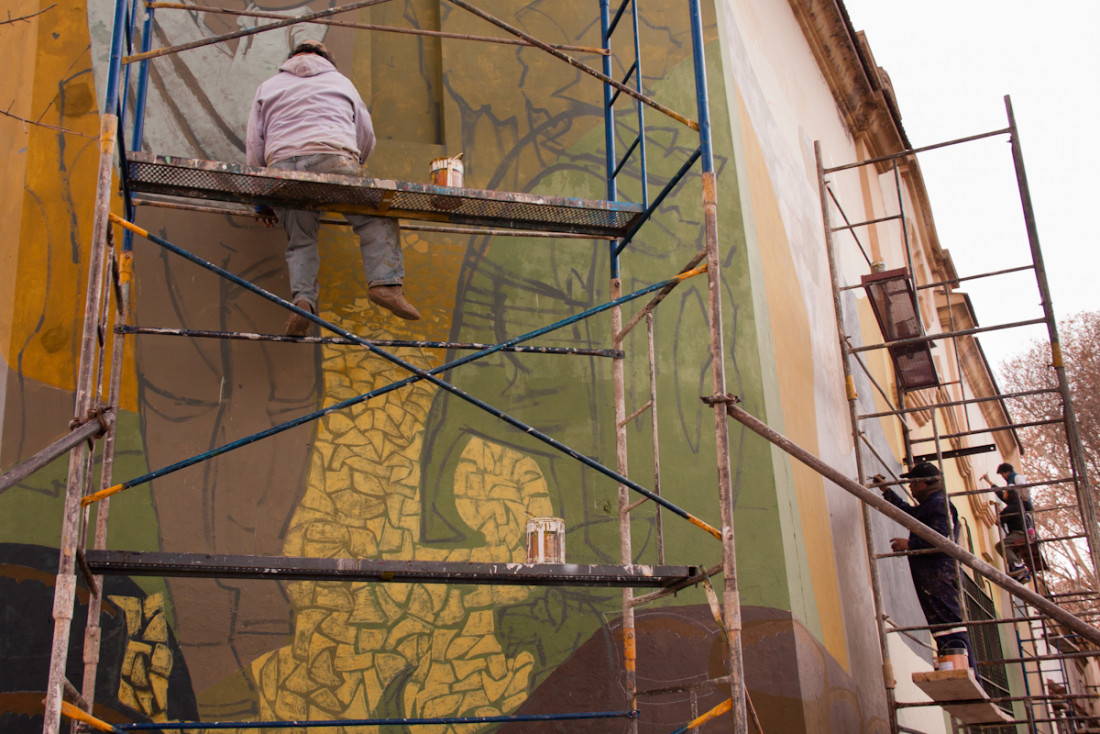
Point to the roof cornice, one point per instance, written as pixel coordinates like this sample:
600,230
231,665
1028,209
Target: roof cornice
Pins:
861,89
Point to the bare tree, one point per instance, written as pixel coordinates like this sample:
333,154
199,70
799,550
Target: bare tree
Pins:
1046,456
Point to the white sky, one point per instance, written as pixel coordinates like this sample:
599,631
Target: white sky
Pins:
951,63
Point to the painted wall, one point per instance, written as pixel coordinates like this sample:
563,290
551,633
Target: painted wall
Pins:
417,473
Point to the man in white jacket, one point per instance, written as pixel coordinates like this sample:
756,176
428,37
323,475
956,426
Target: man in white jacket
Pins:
310,117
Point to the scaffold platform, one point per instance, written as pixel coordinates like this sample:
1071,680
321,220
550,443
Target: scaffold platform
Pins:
160,563
959,694
217,181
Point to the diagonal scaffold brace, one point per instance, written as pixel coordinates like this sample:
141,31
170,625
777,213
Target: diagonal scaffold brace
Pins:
960,554
417,375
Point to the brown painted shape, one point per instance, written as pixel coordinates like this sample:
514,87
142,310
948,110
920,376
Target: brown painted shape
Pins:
197,394
794,684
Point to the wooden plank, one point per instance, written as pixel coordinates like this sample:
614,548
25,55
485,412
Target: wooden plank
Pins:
960,695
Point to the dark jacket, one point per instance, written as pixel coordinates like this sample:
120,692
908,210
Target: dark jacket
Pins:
1016,516
932,513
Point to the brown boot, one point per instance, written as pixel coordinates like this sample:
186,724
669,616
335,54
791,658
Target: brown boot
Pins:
298,325
391,298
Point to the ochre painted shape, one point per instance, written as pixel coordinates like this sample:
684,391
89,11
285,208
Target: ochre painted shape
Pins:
793,361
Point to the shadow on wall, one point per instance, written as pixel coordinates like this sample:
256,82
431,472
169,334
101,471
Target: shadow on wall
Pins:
683,647
142,677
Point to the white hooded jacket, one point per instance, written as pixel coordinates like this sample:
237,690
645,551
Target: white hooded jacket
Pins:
307,108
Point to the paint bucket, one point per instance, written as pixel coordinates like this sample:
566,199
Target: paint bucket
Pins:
953,658
545,540
447,171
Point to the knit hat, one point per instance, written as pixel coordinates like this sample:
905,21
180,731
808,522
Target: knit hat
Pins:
311,47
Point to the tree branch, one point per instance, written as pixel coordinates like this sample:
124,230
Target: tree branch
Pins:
42,124
11,20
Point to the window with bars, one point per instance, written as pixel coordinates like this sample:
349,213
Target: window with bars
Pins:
986,640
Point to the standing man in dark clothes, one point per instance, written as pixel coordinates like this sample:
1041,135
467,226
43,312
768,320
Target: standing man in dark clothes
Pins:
934,575
1016,520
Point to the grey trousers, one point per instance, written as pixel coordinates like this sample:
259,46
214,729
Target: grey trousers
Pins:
379,237
1013,543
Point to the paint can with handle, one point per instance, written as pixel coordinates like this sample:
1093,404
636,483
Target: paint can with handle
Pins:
954,658
545,540
448,171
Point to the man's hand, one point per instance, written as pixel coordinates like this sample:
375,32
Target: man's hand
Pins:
877,481
899,544
265,215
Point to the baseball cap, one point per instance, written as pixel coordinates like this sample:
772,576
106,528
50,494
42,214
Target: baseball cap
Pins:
923,470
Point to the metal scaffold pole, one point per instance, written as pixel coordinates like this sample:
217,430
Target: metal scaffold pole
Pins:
731,601
93,630
850,390
1073,436
934,539
87,394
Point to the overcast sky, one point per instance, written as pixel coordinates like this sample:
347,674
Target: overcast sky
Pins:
951,64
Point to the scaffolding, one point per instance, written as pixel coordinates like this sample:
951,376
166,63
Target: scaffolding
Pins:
1044,645
477,212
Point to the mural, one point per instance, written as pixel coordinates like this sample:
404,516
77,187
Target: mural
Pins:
141,676
417,473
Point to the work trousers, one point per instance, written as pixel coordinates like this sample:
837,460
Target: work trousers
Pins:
1010,548
937,586
379,237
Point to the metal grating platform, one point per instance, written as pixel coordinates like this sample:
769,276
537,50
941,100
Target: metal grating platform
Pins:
160,563
213,180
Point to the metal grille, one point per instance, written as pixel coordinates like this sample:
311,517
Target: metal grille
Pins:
987,644
331,192
891,297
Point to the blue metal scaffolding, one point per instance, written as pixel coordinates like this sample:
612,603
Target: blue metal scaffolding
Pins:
142,173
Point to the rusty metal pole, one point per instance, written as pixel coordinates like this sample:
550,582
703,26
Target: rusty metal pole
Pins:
731,599
654,433
89,429
630,645
93,631
86,392
1073,436
933,538
853,418
618,379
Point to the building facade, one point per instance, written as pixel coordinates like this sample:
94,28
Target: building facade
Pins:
418,474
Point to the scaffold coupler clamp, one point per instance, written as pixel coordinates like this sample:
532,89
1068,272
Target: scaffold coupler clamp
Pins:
727,399
103,415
